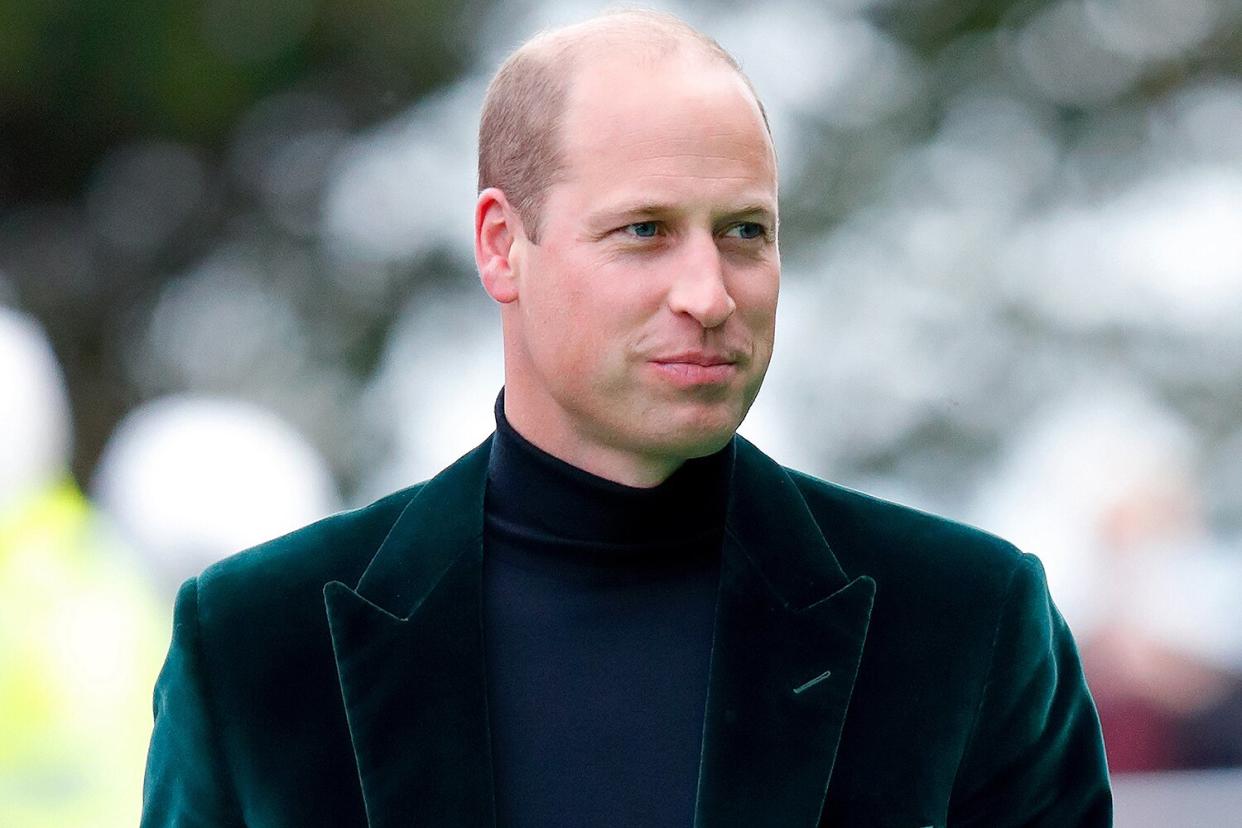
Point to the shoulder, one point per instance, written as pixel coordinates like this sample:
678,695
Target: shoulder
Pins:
293,568
906,549
968,661
941,585
253,621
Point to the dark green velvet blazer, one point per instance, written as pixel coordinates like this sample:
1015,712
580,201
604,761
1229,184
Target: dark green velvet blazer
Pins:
871,666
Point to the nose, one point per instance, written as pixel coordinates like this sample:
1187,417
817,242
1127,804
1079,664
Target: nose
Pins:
698,288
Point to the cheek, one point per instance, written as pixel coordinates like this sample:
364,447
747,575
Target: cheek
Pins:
570,321
756,297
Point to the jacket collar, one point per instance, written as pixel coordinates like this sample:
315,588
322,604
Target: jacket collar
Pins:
789,633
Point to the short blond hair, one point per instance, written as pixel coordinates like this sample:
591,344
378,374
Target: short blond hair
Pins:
519,130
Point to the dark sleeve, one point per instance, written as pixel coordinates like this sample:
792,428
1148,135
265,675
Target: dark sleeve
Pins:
1035,755
186,784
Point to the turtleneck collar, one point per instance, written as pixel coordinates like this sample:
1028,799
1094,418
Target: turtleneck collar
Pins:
541,495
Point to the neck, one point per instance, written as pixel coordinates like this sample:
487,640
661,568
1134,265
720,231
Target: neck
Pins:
538,492
556,437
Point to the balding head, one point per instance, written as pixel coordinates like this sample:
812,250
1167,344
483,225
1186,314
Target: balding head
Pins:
520,150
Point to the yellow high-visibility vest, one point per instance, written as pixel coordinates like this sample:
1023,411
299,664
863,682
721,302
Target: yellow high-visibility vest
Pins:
82,636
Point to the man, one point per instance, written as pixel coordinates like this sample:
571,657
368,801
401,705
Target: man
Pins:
615,612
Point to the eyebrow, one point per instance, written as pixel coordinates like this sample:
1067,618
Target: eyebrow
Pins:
653,208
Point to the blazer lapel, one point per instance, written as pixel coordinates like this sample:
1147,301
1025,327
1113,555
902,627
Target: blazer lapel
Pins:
789,636
409,652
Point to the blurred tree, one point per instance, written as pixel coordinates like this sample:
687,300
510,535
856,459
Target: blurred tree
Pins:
77,77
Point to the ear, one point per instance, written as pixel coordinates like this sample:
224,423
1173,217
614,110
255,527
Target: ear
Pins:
496,229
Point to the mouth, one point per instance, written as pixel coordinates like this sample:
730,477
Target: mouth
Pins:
703,358
692,374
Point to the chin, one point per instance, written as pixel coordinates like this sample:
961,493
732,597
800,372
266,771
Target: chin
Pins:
698,440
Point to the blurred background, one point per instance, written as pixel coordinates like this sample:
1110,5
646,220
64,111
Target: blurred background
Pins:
237,293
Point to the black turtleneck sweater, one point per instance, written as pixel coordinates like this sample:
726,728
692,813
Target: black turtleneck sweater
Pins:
598,606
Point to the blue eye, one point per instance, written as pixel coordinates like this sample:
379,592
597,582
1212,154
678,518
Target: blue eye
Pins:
644,229
748,230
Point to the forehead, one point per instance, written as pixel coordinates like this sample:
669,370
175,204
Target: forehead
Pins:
649,123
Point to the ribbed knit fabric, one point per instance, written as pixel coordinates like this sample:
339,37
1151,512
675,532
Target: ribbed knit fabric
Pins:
598,607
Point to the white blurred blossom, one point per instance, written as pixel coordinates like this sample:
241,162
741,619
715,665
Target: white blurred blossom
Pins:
222,325
189,479
1151,28
843,70
35,439
1166,253
408,187
1062,57
431,398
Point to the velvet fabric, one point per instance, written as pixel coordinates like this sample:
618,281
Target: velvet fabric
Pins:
871,666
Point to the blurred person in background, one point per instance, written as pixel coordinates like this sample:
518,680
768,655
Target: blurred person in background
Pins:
81,633
614,611
1103,486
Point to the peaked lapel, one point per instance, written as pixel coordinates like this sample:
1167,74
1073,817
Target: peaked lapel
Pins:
408,642
789,634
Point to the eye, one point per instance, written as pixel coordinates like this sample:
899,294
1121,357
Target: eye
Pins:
747,230
643,229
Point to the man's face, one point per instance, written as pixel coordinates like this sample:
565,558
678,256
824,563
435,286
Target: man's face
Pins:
657,257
